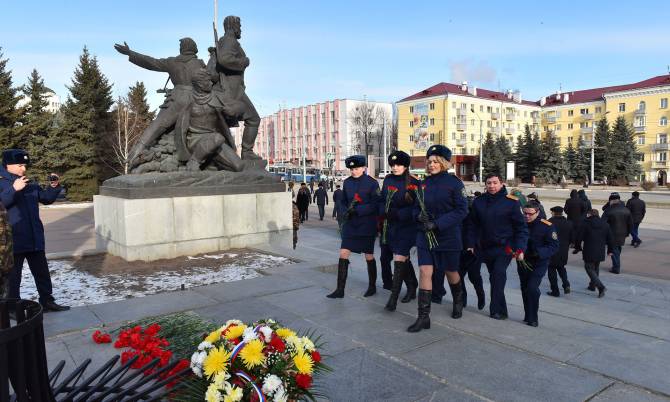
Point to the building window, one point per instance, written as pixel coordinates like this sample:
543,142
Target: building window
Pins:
411,109
662,156
664,103
640,157
453,136
570,126
464,137
472,137
662,138
489,109
432,120
472,122
663,121
558,127
642,106
640,140
432,136
584,111
570,112
432,106
481,108
411,123
411,138
584,124
599,109
569,140
622,107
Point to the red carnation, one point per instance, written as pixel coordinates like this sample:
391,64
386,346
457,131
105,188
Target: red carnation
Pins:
304,381
99,337
508,250
423,186
392,188
518,251
316,356
412,187
358,198
152,330
277,344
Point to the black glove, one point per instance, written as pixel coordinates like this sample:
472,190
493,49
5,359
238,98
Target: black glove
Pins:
423,218
350,214
428,226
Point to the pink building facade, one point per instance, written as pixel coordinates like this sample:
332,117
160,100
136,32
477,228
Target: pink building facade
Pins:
321,129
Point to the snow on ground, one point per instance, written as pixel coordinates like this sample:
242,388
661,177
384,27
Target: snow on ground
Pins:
75,287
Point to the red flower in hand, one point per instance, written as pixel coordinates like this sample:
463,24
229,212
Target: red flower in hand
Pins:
358,198
508,250
304,381
412,187
423,187
99,337
316,356
392,188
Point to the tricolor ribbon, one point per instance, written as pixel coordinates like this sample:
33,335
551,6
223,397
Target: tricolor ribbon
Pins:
246,377
238,348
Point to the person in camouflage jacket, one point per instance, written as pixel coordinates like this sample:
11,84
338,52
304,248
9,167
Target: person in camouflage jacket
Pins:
6,253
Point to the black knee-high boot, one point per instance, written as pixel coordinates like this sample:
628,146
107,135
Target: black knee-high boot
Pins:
457,297
399,273
423,320
372,278
411,282
342,271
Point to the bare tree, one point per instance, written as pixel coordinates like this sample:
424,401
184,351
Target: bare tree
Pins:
364,119
128,130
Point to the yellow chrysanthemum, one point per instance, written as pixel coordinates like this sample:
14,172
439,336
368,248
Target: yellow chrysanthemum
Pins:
233,394
219,380
235,332
216,361
212,394
252,354
304,363
284,333
295,342
213,337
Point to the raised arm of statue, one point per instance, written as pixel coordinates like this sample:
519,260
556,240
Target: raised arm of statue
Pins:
148,62
230,55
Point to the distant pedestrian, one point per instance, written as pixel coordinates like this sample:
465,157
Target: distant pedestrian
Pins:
638,209
311,186
290,189
303,200
575,208
594,238
620,220
585,199
586,181
331,182
566,236
321,199
296,223
337,197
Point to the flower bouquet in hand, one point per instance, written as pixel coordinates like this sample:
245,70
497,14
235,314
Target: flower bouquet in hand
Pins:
391,190
350,211
259,362
515,254
424,217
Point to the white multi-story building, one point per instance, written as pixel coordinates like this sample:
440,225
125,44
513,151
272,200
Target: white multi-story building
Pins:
53,101
326,131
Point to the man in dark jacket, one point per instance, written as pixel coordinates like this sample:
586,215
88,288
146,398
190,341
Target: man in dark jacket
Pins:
321,199
593,238
637,208
566,236
575,208
620,220
337,197
21,198
303,200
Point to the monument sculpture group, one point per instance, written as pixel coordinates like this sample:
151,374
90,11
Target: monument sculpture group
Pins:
189,190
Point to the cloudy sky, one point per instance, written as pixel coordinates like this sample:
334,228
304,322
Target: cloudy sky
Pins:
304,52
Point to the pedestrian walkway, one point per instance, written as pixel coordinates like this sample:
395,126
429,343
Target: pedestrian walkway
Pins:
611,349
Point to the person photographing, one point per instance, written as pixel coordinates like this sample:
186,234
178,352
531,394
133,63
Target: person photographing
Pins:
21,197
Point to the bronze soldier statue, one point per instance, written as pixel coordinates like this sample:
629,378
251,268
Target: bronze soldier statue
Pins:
181,70
6,252
202,136
227,67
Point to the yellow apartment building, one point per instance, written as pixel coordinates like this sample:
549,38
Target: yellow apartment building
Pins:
451,115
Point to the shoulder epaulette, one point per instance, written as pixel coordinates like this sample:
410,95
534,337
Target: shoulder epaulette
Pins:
512,197
546,222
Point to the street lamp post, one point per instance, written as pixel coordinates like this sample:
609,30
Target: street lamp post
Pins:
481,146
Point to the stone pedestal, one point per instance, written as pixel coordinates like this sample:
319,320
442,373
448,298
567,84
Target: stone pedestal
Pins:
155,223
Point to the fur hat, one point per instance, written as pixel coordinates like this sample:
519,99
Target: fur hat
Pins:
15,157
355,161
399,158
439,150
